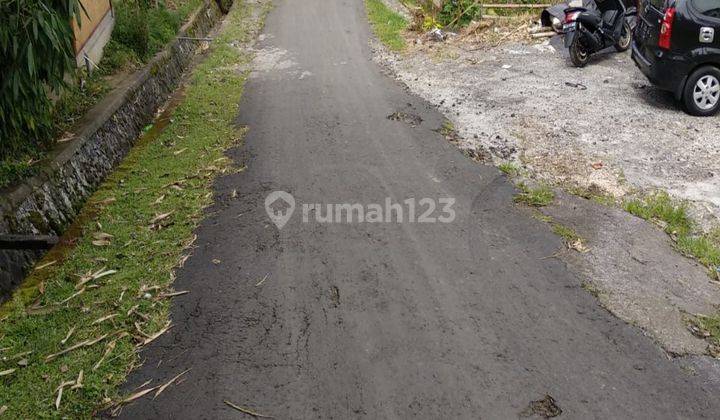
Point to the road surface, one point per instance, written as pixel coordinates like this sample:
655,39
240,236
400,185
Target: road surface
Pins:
469,319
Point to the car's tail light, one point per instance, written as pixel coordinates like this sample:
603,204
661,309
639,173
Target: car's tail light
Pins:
571,17
666,28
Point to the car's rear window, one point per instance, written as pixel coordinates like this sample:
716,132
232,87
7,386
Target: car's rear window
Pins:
709,8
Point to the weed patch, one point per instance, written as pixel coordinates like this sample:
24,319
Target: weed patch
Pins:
535,197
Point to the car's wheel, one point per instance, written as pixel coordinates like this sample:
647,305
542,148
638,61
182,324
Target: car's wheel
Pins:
578,54
702,92
625,38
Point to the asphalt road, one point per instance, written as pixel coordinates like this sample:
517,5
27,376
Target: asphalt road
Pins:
468,319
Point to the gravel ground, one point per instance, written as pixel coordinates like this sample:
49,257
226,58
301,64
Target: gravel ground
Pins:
603,128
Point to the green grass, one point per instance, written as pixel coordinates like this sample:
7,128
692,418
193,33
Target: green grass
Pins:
171,173
387,25
566,233
661,207
536,197
509,168
674,217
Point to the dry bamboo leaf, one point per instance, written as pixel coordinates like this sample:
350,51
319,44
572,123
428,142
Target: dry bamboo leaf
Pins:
47,264
79,292
247,411
131,310
103,319
86,343
110,347
138,394
160,217
101,242
101,274
159,199
60,393
180,293
156,335
263,280
177,152
79,380
3,409
102,236
70,333
162,388
7,372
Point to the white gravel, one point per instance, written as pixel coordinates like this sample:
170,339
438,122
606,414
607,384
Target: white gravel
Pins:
527,104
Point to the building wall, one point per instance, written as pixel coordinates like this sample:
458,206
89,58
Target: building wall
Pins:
93,32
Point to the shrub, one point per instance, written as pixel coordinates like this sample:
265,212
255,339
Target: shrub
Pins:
459,12
36,53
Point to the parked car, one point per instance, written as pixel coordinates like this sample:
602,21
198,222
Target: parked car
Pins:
677,46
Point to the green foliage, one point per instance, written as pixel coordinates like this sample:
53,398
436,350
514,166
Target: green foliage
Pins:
386,24
459,12
141,30
36,53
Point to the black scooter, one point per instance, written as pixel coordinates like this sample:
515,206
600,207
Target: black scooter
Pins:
602,24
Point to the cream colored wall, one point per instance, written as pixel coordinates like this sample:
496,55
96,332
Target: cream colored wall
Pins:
96,11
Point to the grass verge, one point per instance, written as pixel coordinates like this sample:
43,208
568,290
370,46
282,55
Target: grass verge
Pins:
108,294
386,24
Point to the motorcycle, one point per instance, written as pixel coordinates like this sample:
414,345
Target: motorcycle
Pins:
603,23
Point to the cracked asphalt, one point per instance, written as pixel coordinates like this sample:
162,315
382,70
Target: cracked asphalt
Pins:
468,319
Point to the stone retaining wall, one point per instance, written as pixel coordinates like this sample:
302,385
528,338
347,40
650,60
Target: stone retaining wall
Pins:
48,202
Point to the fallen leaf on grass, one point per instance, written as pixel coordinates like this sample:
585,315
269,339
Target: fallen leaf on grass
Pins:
79,380
70,333
86,343
101,242
159,199
102,236
60,392
7,372
160,217
246,411
47,264
105,318
3,409
177,152
79,292
162,388
110,347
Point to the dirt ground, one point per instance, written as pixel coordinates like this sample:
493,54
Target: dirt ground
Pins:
602,128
